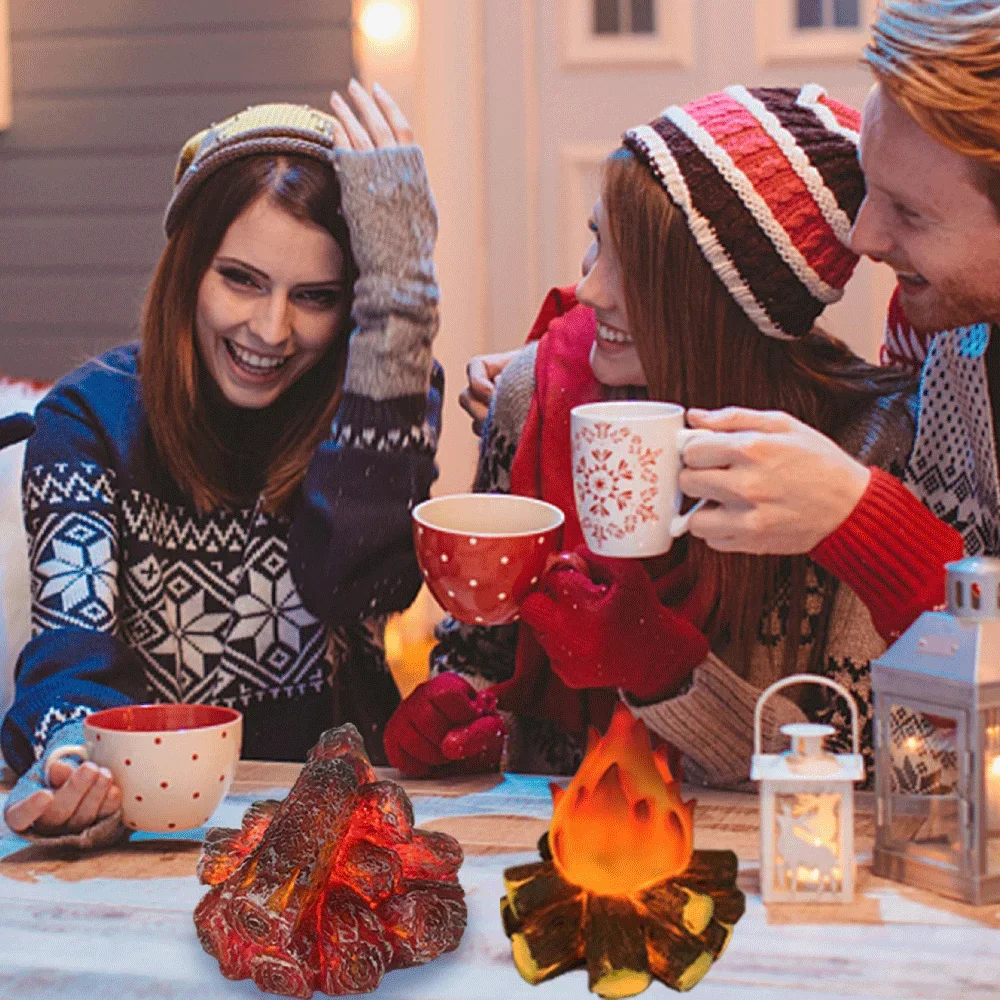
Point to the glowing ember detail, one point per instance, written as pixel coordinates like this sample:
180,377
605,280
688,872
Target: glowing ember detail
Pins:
621,824
331,888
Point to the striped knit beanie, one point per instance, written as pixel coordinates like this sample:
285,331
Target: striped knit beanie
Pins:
769,181
264,129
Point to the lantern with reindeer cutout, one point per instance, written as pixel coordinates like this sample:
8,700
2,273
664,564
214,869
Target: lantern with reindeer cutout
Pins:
807,808
937,743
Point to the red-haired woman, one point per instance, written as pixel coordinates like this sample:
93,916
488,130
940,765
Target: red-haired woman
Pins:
221,514
719,238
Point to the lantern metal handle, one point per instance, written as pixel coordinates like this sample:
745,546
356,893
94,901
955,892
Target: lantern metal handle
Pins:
805,679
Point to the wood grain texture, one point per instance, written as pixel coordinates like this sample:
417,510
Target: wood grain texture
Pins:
90,245
494,833
30,18
121,933
47,351
127,124
40,185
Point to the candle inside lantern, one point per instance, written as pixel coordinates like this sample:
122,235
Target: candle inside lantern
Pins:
807,841
992,759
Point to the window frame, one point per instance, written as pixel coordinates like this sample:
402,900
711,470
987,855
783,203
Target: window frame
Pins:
778,41
671,44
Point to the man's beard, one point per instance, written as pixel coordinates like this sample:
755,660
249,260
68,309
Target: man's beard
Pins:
947,307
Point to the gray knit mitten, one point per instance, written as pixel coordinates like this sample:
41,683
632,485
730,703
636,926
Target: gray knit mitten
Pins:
387,202
103,833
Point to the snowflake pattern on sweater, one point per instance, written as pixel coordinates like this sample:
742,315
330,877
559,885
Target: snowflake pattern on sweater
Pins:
209,603
953,467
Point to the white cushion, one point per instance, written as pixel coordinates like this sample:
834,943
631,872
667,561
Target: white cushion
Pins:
16,396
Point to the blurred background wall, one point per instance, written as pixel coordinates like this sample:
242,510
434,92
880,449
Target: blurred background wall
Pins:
104,93
517,102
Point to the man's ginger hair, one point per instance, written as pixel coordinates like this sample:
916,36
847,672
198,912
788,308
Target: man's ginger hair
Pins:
940,61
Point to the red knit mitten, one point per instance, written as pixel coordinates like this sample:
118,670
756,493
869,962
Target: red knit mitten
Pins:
445,726
609,629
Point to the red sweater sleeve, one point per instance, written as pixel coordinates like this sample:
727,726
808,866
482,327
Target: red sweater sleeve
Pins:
891,552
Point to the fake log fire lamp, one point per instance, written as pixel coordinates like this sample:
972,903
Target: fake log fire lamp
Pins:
619,888
331,888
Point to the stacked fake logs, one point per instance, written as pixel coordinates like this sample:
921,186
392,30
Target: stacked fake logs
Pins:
331,888
672,931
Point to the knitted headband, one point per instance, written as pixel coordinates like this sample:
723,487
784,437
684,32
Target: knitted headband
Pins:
266,128
769,182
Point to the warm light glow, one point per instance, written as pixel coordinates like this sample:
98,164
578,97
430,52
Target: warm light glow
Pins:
621,824
813,876
995,767
913,744
385,22
808,846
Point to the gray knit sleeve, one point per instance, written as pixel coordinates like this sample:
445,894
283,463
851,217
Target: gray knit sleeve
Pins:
350,544
505,421
390,212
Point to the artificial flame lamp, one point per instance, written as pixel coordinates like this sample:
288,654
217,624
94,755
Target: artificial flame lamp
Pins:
937,743
807,808
620,888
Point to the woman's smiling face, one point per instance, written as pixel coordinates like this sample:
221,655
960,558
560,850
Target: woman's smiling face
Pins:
270,304
613,358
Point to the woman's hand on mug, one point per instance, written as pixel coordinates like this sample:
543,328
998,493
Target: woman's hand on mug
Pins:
606,627
780,486
378,124
79,796
483,372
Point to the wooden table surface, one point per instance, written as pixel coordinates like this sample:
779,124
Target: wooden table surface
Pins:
117,925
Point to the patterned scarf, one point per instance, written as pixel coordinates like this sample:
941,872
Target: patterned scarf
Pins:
953,466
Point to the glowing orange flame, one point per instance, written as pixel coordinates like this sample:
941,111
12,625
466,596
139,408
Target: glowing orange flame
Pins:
621,824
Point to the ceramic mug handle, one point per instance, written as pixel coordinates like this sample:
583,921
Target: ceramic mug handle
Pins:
78,750
679,525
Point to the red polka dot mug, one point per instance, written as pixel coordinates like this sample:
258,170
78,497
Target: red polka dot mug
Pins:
172,763
482,553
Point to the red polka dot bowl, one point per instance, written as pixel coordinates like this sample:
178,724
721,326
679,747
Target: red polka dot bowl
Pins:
173,763
482,553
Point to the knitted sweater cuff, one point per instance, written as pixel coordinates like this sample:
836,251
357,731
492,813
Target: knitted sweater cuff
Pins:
891,552
101,833
398,424
712,723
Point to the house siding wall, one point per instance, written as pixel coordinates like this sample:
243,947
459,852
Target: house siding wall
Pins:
104,94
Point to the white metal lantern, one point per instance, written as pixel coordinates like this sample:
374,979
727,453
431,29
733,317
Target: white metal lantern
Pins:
807,808
937,743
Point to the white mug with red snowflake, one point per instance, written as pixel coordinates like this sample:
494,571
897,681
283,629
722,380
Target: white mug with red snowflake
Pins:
626,460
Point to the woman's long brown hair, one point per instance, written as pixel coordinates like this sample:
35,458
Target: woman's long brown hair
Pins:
698,348
170,367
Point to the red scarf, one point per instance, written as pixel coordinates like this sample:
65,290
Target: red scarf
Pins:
543,468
